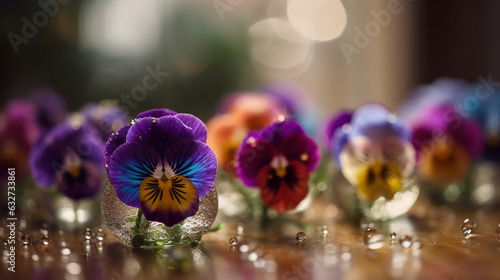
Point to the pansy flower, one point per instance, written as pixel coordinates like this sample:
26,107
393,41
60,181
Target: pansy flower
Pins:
162,165
446,143
278,160
106,117
374,151
19,131
238,115
69,156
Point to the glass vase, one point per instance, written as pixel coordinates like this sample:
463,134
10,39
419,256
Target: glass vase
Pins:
132,229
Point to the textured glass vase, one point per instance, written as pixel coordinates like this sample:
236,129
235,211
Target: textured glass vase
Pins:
121,220
382,209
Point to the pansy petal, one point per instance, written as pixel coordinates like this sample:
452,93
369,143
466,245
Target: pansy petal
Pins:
277,132
80,182
115,140
168,202
221,138
160,134
378,179
376,122
198,127
129,165
251,157
156,113
284,193
303,149
335,123
471,137
340,139
195,161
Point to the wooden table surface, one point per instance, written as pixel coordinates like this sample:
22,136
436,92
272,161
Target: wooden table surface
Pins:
271,251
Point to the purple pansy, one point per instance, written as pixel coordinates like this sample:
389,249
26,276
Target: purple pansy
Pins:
70,157
446,143
373,149
161,164
19,130
278,160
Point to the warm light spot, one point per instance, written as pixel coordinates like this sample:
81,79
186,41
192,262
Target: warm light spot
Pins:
154,121
277,45
281,118
251,141
117,124
319,20
76,120
304,157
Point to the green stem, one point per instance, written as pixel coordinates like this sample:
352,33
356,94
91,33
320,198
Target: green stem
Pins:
138,221
264,219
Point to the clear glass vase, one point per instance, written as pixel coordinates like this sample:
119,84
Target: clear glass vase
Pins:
134,230
382,209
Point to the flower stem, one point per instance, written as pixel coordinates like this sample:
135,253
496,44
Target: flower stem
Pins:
138,221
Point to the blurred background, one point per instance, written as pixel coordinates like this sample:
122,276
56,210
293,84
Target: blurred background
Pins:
340,53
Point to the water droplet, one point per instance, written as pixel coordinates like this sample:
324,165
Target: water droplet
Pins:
392,236
233,241
137,241
87,234
301,237
467,226
26,239
35,257
45,240
65,251
405,241
376,241
369,232
5,243
100,235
